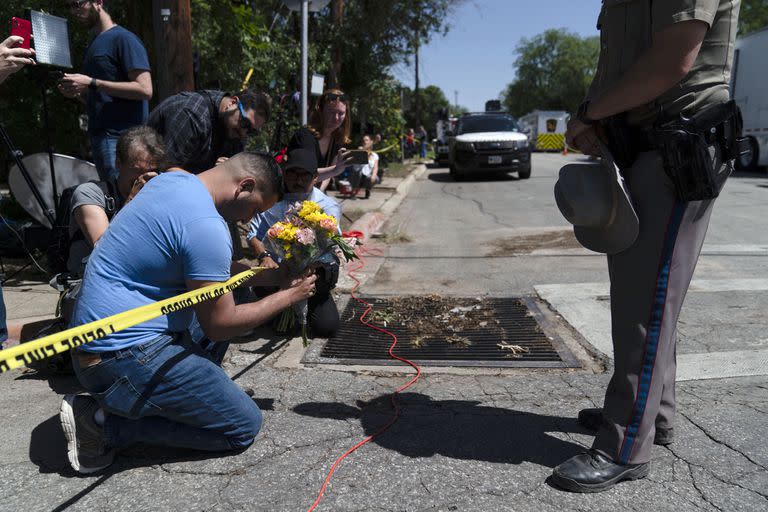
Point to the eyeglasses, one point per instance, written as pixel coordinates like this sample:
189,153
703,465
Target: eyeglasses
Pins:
245,123
331,96
76,4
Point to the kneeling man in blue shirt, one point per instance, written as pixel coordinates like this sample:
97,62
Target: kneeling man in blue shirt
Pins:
149,383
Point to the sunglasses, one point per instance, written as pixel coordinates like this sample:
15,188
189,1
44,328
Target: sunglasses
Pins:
78,4
245,122
330,97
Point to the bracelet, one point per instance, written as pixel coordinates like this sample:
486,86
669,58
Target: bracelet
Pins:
265,254
92,86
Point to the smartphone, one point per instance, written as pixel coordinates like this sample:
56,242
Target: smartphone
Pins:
359,156
22,28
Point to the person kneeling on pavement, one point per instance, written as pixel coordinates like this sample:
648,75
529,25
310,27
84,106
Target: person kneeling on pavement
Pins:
149,383
300,176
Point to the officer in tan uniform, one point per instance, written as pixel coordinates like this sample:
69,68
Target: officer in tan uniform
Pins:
660,101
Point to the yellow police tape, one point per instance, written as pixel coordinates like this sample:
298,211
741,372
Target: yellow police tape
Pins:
388,148
37,350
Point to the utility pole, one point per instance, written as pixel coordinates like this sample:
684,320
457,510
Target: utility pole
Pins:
304,59
172,23
455,102
337,12
416,95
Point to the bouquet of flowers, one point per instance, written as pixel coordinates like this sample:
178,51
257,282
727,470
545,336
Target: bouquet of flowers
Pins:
303,237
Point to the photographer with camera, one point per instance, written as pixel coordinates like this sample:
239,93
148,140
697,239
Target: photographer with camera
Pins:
115,83
660,101
300,177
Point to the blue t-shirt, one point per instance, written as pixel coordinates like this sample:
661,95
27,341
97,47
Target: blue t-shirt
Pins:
111,56
261,222
169,233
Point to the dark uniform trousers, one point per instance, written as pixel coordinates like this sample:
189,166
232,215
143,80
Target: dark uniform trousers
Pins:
648,285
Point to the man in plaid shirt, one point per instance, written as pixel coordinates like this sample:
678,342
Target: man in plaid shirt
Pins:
202,127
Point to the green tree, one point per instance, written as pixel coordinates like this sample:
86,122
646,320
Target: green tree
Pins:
432,100
554,70
753,16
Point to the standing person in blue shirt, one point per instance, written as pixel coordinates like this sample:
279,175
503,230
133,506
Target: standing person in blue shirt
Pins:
149,383
115,83
299,177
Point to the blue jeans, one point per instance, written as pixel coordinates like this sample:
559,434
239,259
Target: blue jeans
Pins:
168,392
104,149
3,325
423,152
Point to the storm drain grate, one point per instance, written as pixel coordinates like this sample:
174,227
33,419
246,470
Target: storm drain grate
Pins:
447,331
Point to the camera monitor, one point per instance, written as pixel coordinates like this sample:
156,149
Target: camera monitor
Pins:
51,38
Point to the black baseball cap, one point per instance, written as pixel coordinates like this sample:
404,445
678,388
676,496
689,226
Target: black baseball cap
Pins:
302,159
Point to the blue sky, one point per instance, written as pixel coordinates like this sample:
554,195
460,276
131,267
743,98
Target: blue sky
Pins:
476,57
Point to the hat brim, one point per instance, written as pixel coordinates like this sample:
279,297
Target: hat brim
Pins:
300,168
620,234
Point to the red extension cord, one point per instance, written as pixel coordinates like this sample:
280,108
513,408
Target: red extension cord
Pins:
361,252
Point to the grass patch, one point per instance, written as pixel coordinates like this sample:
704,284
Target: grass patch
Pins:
398,170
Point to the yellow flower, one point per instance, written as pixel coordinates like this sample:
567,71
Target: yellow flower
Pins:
308,208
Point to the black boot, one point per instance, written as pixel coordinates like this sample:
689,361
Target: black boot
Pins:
594,472
591,419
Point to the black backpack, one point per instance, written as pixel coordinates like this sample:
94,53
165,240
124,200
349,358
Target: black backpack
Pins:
60,241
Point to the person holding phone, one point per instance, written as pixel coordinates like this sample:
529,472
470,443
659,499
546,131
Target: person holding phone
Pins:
115,82
13,57
326,135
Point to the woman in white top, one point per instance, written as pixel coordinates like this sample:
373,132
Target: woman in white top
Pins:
367,173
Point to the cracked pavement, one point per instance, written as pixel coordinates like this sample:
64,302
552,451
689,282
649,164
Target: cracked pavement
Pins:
471,440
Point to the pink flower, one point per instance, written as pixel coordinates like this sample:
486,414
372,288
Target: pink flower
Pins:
305,236
274,231
328,224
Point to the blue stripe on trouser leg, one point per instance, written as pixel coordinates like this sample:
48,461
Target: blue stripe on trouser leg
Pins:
653,333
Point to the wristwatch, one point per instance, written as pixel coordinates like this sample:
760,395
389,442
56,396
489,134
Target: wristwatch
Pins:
582,116
265,254
92,86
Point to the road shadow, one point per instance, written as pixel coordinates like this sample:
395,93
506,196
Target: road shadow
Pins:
48,451
459,429
479,177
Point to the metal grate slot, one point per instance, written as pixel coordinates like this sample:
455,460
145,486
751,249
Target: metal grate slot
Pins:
447,331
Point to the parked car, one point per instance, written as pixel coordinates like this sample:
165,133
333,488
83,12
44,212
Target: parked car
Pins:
489,141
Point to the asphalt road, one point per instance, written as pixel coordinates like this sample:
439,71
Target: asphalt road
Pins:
474,440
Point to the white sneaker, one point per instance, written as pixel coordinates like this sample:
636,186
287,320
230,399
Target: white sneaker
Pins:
86,449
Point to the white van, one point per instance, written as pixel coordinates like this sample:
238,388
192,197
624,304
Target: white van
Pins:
749,87
546,129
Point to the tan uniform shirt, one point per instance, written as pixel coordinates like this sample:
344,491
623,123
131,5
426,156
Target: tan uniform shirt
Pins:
626,32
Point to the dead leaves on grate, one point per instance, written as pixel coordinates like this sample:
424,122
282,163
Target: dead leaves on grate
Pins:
448,319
